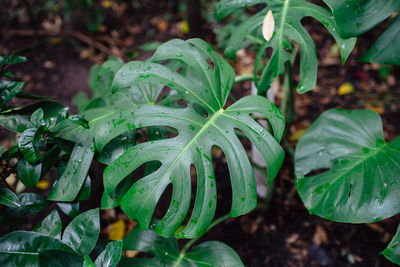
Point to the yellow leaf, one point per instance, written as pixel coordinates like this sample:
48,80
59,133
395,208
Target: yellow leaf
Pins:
378,110
131,253
296,135
43,184
55,40
106,3
345,89
268,26
117,230
184,27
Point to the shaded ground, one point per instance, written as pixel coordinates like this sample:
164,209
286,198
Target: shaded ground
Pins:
284,234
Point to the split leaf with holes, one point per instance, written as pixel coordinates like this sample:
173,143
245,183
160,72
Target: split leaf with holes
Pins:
203,124
287,16
363,181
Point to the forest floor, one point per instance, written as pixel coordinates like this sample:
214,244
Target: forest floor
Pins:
284,234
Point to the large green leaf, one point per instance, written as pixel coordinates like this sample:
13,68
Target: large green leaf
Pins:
287,15
82,233
392,252
363,181
51,225
203,88
22,248
354,18
385,50
166,252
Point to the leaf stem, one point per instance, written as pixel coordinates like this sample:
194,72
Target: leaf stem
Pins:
191,242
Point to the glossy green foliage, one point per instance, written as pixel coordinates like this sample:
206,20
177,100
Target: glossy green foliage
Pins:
362,183
354,18
386,48
166,252
203,124
9,198
46,248
392,252
27,203
82,233
287,15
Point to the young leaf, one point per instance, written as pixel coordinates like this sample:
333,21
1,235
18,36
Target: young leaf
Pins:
392,252
82,233
166,252
8,198
287,15
362,182
205,88
51,225
29,174
22,248
110,256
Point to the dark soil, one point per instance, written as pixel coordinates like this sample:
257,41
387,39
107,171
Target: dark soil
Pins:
284,234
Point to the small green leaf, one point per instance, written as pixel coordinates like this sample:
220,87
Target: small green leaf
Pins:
22,248
51,225
8,198
110,256
30,203
363,180
74,175
37,118
8,90
28,145
71,209
392,252
82,233
166,252
29,174
87,261
81,100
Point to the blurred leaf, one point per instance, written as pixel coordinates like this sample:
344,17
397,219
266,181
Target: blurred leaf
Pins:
8,90
392,252
81,100
6,60
385,49
43,184
29,174
51,225
345,89
117,230
82,233
8,198
87,261
294,137
110,256
362,182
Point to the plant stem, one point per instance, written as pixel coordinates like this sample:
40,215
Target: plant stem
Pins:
191,242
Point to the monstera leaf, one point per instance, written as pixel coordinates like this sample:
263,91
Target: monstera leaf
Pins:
392,252
166,252
203,124
354,18
362,184
288,15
